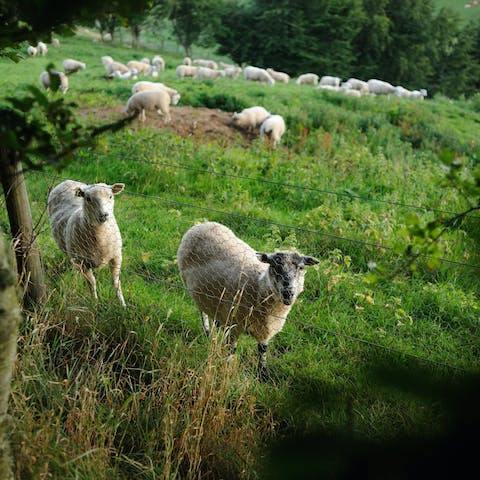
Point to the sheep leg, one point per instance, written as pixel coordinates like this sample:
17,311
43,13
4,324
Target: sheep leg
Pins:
90,277
206,324
262,362
115,272
142,115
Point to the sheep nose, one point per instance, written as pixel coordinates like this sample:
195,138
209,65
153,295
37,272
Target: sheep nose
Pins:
287,296
103,217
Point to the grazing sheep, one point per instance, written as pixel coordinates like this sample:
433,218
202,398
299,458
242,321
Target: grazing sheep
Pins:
42,49
142,67
55,42
250,118
226,65
239,288
158,100
206,63
402,92
273,127
32,51
45,80
231,72
143,86
112,67
130,75
187,61
279,76
359,85
205,73
186,71
145,60
327,87
158,62
72,66
258,75
307,79
379,87
329,80
84,226
107,59
419,94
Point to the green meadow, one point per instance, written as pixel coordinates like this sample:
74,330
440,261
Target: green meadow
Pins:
103,392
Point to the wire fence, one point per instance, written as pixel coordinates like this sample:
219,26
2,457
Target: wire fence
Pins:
42,229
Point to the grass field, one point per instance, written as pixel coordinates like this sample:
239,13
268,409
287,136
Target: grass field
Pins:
458,6
102,392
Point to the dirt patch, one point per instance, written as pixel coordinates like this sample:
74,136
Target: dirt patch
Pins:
199,123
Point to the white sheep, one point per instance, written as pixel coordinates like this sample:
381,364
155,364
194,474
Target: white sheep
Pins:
250,118
231,72
55,42
329,80
279,76
72,66
145,68
106,59
239,288
186,71
359,85
419,94
42,48
327,87
205,73
159,62
130,75
307,79
226,65
402,92
158,100
257,74
206,63
145,60
380,87
143,86
273,127
32,51
112,67
187,61
45,80
84,226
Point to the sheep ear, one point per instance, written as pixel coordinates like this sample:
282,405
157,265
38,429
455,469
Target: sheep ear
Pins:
310,260
79,192
117,188
264,257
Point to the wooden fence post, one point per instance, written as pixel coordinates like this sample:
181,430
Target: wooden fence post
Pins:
9,321
24,239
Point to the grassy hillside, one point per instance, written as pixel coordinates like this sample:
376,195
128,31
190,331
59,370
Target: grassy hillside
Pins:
458,6
102,392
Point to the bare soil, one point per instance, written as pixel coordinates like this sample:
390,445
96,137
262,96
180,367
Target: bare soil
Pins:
199,123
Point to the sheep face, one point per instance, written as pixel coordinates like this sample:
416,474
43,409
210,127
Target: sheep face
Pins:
98,201
287,273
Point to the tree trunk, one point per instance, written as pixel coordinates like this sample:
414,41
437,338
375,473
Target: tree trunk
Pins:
9,321
24,239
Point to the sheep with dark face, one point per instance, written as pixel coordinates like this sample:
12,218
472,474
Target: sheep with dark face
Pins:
84,227
239,288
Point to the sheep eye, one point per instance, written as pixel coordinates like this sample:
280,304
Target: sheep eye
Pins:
88,199
110,197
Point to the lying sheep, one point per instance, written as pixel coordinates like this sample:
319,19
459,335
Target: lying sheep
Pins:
158,62
307,79
205,73
72,66
258,75
186,71
231,72
32,51
380,87
279,76
158,100
84,226
329,80
42,49
239,288
144,86
250,118
45,80
273,127
130,75
142,67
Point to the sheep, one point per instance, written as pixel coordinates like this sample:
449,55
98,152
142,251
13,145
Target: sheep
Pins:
42,49
206,63
247,291
142,67
158,100
143,86
130,75
159,62
205,73
273,127
327,87
380,87
250,118
107,59
307,78
72,66
32,51
55,42
258,75
419,94
187,61
402,92
231,72
279,76
112,67
186,71
359,85
332,81
84,227
45,80
145,60
226,65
